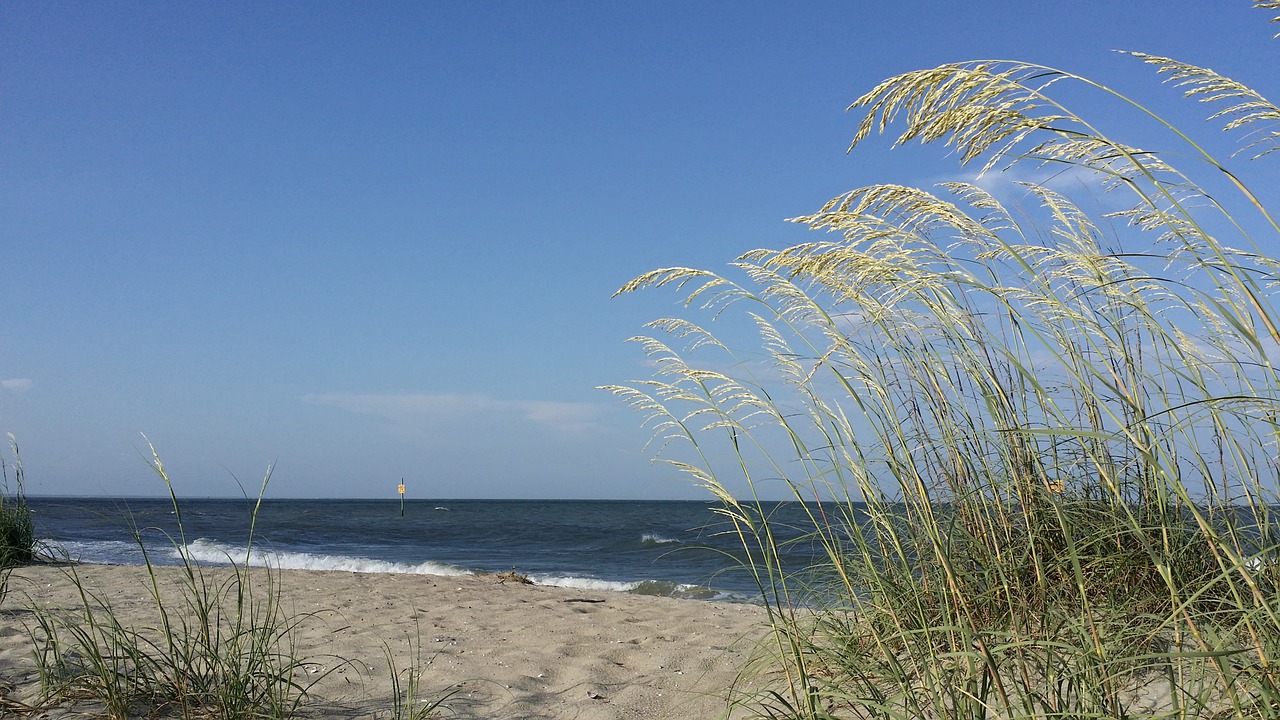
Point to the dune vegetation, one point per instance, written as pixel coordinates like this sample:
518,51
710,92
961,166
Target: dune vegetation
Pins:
1034,414
220,643
17,531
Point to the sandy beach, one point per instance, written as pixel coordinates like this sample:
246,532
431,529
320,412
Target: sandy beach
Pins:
504,649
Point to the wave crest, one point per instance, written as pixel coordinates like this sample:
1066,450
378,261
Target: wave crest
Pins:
655,540
210,551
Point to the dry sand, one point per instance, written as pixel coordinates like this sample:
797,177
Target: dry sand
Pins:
509,650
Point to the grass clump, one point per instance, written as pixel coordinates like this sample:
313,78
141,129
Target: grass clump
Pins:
1035,423
222,646
408,699
17,531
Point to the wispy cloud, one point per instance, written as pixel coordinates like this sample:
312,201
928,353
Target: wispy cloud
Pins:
16,385
1076,182
428,410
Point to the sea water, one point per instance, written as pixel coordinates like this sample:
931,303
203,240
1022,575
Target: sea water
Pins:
675,548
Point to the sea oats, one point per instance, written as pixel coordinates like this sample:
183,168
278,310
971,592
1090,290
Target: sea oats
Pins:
1040,446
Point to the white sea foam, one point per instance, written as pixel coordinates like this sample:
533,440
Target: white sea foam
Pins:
209,551
103,552
654,540
581,583
114,552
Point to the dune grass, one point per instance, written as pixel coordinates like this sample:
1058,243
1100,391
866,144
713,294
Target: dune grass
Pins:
17,531
1035,424
221,645
409,700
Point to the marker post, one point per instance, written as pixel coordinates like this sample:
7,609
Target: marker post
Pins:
401,489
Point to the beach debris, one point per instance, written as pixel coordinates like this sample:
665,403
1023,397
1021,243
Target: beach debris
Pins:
514,577
596,696
9,704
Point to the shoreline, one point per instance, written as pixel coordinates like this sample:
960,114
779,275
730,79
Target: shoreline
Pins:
504,649
676,548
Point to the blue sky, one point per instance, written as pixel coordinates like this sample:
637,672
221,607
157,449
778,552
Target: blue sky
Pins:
374,241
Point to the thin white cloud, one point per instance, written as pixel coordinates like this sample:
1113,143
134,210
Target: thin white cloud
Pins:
1081,184
16,385
420,409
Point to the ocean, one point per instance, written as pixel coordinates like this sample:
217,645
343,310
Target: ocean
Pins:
675,548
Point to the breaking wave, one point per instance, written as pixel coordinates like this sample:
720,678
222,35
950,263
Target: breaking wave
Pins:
209,551
654,540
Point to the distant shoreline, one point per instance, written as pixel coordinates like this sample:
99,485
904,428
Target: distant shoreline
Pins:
389,499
